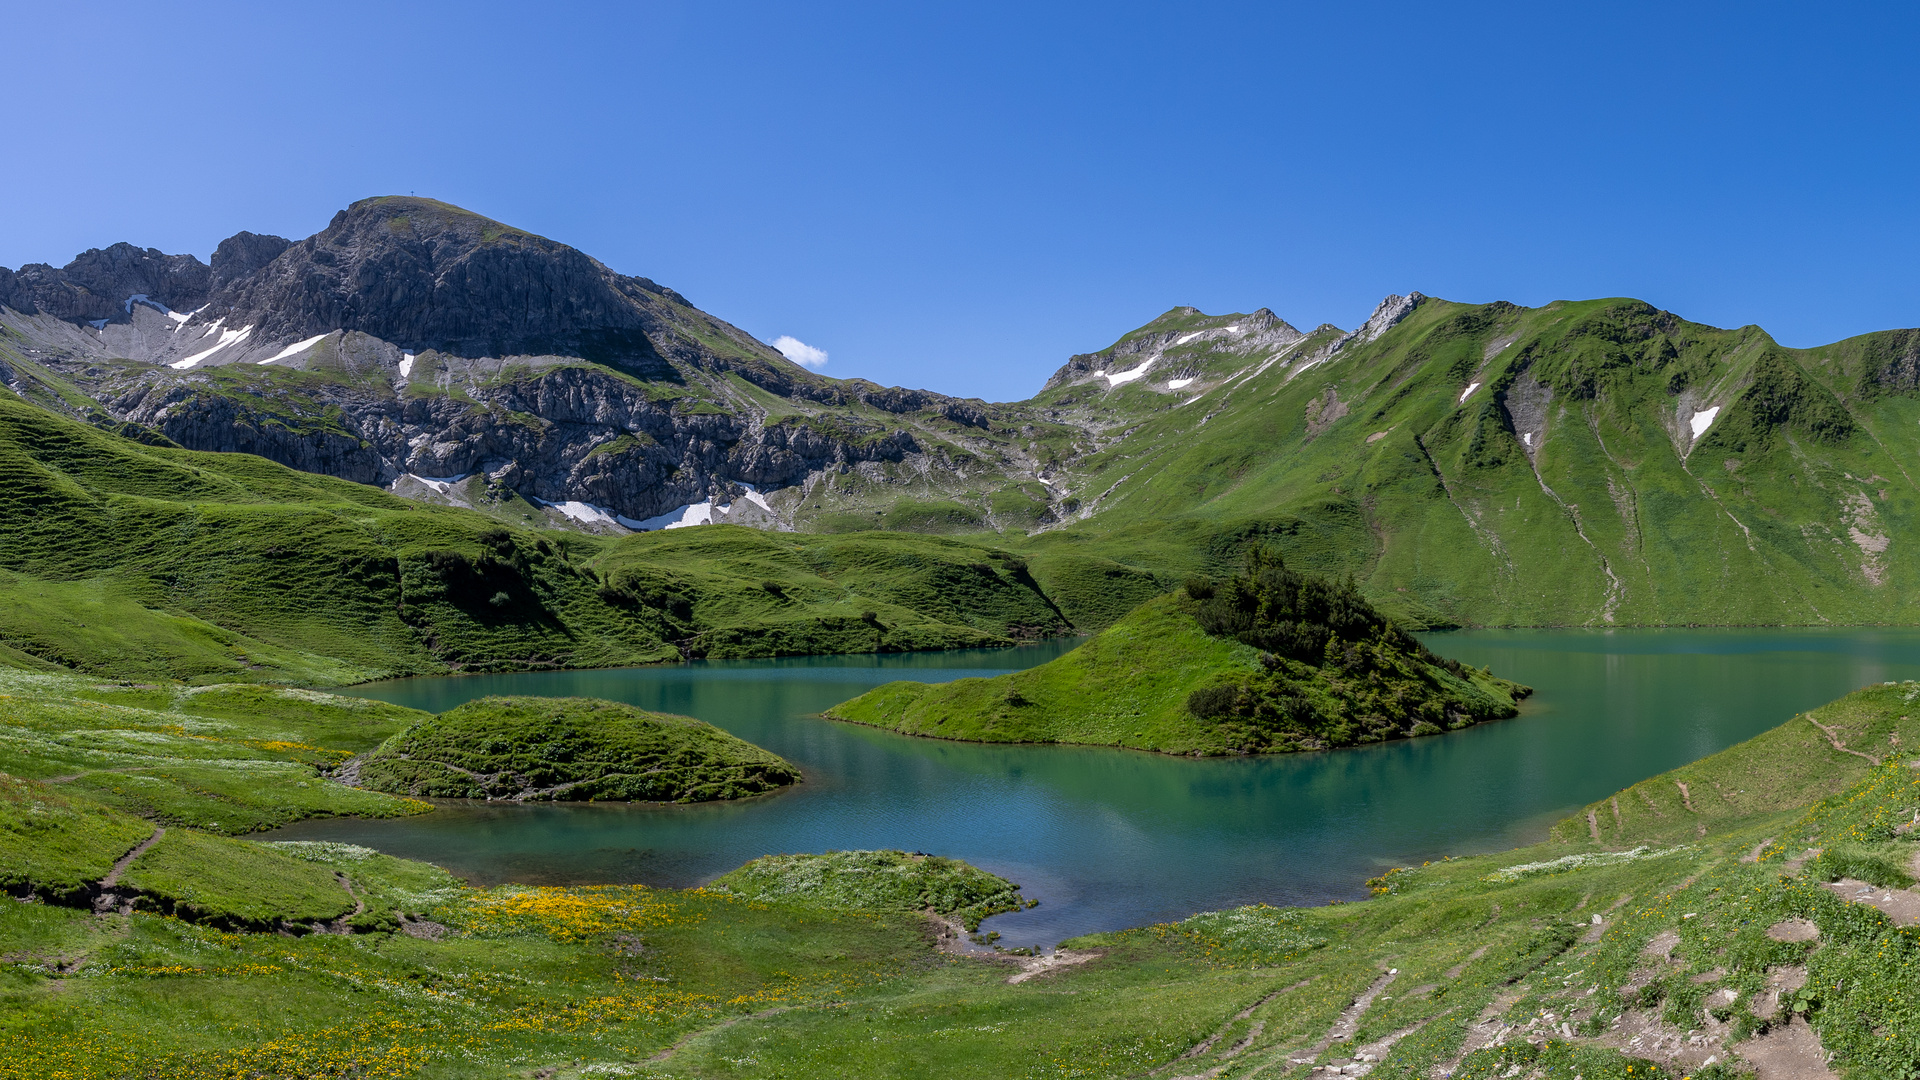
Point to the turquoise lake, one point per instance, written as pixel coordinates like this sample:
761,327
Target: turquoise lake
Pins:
1113,838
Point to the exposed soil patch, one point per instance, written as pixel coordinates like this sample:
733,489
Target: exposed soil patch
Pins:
1789,1052
1794,930
105,900
1900,905
1780,983
1034,966
1322,412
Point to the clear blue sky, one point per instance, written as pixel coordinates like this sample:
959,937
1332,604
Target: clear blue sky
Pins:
959,196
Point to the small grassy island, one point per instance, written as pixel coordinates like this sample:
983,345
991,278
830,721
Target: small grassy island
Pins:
877,881
1271,661
531,749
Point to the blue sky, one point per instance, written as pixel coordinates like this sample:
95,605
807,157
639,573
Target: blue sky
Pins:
959,196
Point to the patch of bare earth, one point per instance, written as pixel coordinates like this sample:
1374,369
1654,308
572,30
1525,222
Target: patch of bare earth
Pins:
1033,966
1794,930
1791,1051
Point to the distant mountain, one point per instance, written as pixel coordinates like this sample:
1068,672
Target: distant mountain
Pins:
1589,462
1597,462
417,346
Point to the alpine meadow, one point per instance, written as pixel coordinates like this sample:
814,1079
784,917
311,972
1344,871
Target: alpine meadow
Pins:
258,513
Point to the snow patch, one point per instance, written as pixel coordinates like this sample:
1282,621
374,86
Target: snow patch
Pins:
1464,394
440,484
1117,378
1703,420
227,337
700,513
1526,439
296,348
1184,338
585,513
757,499
1176,384
1234,329
406,365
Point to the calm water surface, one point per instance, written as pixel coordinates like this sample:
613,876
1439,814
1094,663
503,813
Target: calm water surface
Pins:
1113,838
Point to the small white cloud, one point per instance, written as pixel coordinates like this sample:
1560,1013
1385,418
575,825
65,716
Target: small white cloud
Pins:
800,352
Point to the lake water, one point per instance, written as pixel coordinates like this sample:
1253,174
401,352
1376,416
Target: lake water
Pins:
1114,838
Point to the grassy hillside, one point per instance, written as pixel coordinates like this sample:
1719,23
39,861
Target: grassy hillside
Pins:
135,561
569,749
1269,661
225,759
1703,932
1498,465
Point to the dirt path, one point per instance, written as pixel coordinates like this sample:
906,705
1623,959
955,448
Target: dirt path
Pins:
1837,744
120,867
681,1043
71,777
105,901
1349,1020
1900,905
1208,1043
344,924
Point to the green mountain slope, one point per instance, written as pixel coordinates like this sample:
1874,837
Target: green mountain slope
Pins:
1596,462
132,560
1271,661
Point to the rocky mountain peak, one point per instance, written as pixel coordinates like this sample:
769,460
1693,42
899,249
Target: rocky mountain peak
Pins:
424,274
1390,311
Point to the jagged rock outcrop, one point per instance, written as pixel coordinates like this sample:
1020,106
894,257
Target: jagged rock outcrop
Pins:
100,284
570,433
243,254
1387,314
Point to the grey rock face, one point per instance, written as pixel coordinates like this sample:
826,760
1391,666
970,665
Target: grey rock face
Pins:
242,254
98,284
570,433
425,275
1389,312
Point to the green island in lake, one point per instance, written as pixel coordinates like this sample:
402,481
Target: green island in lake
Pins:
1268,661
